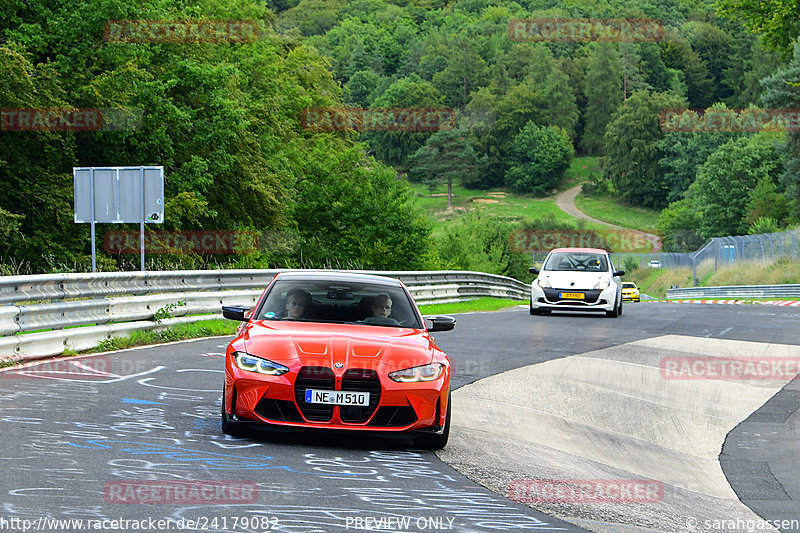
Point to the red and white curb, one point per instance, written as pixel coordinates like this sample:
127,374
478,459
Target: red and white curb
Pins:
783,303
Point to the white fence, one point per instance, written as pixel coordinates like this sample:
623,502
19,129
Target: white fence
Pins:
43,315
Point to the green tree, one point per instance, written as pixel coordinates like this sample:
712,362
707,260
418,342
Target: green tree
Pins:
540,156
447,156
781,91
352,212
633,78
716,48
725,181
678,54
523,103
603,88
684,152
395,147
777,21
361,87
466,70
560,109
653,67
679,226
766,201
631,150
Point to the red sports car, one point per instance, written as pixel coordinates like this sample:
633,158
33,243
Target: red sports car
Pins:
339,351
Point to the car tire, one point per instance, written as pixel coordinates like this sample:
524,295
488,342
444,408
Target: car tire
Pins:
228,426
535,311
614,313
436,441
620,308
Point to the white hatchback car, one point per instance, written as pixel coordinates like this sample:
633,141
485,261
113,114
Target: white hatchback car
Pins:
577,279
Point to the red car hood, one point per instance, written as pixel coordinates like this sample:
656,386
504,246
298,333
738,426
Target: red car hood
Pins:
356,346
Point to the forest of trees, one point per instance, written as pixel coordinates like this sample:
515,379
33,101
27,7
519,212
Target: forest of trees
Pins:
224,119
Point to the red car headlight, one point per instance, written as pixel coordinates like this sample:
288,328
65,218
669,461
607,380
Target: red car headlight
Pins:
259,365
429,372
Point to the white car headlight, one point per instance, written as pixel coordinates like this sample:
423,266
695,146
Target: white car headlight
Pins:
544,283
429,372
259,365
602,284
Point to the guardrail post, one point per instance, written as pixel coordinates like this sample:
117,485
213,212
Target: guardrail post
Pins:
716,254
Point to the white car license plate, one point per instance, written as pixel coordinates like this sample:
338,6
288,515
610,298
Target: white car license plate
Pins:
336,397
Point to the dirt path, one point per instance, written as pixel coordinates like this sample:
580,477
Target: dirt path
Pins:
566,202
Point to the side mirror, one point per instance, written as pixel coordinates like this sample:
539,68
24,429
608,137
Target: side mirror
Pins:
533,270
619,273
235,312
440,322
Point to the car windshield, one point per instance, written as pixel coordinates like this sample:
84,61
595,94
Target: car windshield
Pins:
628,286
576,261
343,302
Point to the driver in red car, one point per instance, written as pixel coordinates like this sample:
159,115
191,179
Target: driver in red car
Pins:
298,302
382,306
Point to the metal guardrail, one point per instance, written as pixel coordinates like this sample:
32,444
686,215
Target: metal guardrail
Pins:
113,304
737,291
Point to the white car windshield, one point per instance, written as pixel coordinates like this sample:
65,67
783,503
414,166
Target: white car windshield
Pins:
339,302
576,262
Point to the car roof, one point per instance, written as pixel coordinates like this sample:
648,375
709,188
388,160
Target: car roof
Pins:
335,275
579,250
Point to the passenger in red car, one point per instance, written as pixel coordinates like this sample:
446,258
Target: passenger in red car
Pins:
382,306
298,302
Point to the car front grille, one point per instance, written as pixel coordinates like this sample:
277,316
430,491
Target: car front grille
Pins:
360,380
314,377
591,296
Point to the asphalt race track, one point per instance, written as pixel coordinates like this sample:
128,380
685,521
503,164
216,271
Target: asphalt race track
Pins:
97,438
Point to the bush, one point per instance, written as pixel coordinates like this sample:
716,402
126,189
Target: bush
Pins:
540,156
482,243
630,264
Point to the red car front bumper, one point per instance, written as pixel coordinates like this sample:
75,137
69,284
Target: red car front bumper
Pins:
280,400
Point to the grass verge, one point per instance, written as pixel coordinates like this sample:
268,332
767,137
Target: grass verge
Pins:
611,211
177,332
479,304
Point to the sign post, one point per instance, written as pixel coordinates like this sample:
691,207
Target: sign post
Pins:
119,195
